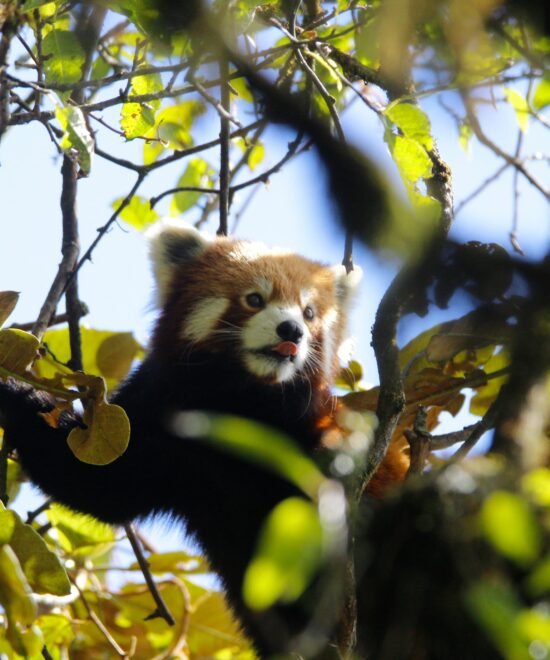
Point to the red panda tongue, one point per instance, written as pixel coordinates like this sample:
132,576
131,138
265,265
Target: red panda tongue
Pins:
286,348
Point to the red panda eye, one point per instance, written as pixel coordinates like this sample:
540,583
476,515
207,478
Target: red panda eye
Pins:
309,313
254,300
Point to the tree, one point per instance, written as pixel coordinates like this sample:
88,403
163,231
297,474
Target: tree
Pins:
454,563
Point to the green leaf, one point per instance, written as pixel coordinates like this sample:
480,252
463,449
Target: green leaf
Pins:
289,553
256,443
63,57
411,159
541,96
173,124
412,121
511,527
79,534
76,136
520,105
195,176
137,213
136,119
41,566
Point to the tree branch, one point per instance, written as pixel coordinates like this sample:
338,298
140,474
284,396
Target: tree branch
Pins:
162,610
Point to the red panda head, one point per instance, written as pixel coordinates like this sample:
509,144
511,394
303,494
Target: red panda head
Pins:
278,313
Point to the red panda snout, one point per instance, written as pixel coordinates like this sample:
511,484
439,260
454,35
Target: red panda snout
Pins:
276,342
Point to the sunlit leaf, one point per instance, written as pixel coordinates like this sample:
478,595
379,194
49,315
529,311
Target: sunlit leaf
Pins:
17,351
412,159
41,566
520,105
486,394
173,124
116,354
80,534
511,527
137,118
105,437
412,121
63,57
288,555
137,213
195,176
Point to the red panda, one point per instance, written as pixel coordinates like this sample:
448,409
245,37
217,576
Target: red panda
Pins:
242,330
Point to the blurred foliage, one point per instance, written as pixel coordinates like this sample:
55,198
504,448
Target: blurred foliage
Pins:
471,540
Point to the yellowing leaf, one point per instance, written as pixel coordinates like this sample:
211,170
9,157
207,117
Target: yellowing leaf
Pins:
289,553
411,158
486,394
8,301
17,351
520,105
106,436
57,342
412,121
116,354
136,119
15,595
511,527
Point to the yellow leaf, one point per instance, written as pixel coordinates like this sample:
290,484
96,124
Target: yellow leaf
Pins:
17,351
106,436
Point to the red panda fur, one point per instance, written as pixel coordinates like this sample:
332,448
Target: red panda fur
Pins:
241,331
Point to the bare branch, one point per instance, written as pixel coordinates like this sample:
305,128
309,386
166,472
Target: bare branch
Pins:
162,610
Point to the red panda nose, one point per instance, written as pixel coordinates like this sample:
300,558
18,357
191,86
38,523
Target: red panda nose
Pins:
290,331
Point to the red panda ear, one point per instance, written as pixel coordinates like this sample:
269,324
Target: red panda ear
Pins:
346,284
171,244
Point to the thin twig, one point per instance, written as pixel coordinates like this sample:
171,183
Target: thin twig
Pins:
99,624
162,610
103,230
487,142
225,102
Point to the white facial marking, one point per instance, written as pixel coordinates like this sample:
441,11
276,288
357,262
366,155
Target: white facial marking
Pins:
204,318
260,332
306,296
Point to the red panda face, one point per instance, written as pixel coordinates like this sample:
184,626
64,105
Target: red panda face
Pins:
277,313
